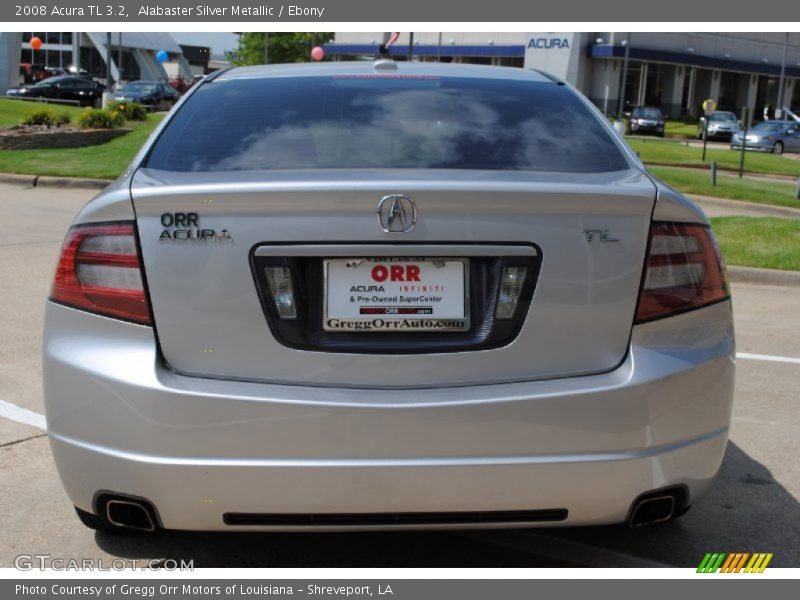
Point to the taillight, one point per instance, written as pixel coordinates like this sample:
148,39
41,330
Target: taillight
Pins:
684,270
99,270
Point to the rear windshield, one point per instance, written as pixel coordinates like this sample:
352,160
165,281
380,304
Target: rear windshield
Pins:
722,116
366,122
647,113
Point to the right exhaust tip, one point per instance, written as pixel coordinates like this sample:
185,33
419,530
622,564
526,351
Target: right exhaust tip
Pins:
658,506
652,510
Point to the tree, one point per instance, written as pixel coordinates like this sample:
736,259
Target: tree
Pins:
283,47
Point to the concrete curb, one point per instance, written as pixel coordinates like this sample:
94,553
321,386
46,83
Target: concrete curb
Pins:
29,180
47,181
763,276
748,208
72,182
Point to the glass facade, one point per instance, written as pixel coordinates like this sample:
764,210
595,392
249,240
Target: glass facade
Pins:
56,51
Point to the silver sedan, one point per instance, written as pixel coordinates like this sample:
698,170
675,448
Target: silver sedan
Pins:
770,136
386,295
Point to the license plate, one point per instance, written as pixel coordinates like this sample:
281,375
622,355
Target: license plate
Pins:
396,294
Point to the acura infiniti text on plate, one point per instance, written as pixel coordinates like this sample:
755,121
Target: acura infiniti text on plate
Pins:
365,295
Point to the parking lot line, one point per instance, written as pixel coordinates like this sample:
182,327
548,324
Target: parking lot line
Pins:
22,415
768,357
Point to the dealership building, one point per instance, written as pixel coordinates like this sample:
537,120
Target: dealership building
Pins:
133,55
673,71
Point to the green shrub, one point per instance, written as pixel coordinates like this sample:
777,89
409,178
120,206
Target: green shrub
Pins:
101,118
133,111
47,117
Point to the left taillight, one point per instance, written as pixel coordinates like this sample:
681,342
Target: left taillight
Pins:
100,271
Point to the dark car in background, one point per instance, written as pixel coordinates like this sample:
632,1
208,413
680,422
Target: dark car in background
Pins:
66,88
153,94
721,125
771,136
646,119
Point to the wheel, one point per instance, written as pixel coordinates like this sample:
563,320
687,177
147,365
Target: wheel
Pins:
778,148
93,521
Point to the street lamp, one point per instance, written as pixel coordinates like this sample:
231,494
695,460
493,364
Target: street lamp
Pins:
779,109
621,100
605,95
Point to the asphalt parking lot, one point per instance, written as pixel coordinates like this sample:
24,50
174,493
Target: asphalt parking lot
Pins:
753,506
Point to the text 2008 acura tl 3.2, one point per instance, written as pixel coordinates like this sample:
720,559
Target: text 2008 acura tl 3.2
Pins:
387,295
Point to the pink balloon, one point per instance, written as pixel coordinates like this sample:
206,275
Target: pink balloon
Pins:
317,53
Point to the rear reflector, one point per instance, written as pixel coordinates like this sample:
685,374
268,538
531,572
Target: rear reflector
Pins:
99,270
684,270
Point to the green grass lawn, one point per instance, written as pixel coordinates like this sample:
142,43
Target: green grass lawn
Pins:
677,153
759,191
13,111
680,129
104,161
763,242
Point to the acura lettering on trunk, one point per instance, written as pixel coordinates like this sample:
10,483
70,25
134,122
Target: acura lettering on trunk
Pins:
533,331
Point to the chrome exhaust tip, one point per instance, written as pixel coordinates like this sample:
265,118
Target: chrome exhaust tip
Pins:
130,514
655,509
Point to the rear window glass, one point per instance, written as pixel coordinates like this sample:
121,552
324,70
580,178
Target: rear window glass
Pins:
365,122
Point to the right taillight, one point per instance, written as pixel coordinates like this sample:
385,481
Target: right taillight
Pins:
684,271
100,271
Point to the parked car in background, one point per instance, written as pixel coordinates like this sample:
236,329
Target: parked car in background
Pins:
646,119
721,125
78,90
153,94
179,84
29,73
55,71
770,136
388,294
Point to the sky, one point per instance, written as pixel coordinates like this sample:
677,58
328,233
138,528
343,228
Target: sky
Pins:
219,42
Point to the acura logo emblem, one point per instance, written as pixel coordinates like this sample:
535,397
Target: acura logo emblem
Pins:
397,213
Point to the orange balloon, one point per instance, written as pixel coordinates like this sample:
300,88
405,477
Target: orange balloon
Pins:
36,43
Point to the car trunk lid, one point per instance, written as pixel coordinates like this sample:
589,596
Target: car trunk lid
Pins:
203,234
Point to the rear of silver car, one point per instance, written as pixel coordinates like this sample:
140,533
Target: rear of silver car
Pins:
309,337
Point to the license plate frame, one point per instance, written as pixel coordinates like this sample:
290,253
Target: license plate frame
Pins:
394,322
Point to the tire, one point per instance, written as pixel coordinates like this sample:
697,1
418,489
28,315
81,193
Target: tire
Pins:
93,521
777,148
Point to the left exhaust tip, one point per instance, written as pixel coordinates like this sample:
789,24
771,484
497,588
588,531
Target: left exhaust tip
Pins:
130,514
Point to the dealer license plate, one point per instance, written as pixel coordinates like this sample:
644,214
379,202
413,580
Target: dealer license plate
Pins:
396,294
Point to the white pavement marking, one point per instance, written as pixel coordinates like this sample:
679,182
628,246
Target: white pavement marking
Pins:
768,357
22,415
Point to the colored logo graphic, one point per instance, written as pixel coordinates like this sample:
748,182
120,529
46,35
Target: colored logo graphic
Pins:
720,562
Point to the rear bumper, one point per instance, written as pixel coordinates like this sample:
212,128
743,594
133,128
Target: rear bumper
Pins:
199,448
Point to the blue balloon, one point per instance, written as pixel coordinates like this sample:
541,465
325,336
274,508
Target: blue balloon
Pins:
162,56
